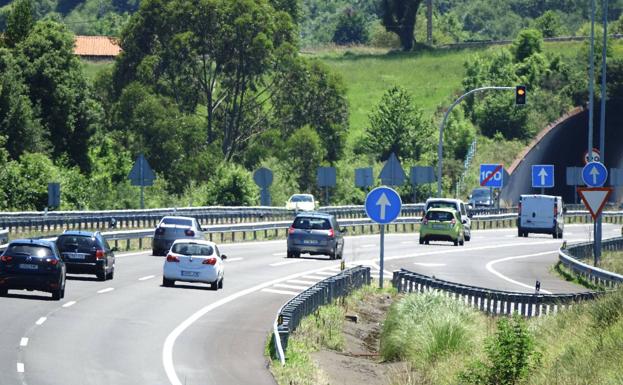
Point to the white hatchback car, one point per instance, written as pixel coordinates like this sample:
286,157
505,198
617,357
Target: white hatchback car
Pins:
194,260
301,202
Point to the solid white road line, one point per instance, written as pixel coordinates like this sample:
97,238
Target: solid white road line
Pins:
295,287
427,264
234,259
146,252
280,254
69,304
20,367
286,262
500,275
108,289
145,278
300,281
41,320
280,291
167,349
23,341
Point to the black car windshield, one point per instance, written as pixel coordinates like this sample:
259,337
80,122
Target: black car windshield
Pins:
307,223
82,244
192,249
301,198
32,250
177,221
442,216
480,194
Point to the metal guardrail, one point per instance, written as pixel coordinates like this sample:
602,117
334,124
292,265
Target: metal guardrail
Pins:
4,236
307,302
572,256
495,302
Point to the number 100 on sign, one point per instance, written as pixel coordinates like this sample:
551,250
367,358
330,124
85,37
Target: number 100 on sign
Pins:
491,175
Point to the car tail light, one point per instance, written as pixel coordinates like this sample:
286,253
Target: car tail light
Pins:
331,233
209,261
189,233
291,230
172,258
52,261
519,208
99,254
424,221
160,231
6,258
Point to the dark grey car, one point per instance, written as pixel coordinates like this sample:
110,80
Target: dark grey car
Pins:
171,228
315,234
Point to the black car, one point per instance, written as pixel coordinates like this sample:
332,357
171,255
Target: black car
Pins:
315,233
86,252
32,264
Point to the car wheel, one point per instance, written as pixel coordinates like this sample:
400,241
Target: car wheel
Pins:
519,233
167,282
4,292
462,241
468,237
111,275
58,293
63,289
421,241
214,285
456,242
427,242
290,254
101,275
220,283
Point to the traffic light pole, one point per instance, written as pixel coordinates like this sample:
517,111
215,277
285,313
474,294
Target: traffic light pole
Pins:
443,124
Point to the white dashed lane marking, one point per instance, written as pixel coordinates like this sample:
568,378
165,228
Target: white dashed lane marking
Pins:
41,320
23,342
69,304
20,367
146,277
302,282
234,259
294,287
285,292
108,289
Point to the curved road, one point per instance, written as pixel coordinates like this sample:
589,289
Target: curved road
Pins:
133,331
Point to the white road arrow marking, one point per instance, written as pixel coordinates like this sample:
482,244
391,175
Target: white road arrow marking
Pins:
543,174
383,202
594,173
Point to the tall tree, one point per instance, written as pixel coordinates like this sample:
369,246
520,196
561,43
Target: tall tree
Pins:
399,18
19,23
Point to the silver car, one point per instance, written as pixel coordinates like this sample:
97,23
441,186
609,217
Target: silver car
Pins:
171,228
315,233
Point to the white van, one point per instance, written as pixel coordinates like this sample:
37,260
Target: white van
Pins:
542,214
460,208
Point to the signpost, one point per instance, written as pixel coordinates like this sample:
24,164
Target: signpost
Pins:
543,176
263,178
392,173
325,177
491,175
383,206
142,175
574,178
54,195
364,177
594,174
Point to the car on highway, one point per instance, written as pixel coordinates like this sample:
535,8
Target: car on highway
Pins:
480,197
194,260
32,264
86,252
442,224
301,202
172,228
315,233
459,206
541,214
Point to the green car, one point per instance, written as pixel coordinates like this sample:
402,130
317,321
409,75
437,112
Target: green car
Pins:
442,224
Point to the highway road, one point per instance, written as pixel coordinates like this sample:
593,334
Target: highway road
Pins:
132,331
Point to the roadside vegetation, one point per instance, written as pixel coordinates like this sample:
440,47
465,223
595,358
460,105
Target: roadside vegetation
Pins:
431,339
612,261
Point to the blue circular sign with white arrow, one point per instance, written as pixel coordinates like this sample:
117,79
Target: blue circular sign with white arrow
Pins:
594,174
383,205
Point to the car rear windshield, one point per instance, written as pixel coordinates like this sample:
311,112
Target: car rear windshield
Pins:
442,205
80,243
301,198
481,194
177,221
33,250
192,249
441,216
306,223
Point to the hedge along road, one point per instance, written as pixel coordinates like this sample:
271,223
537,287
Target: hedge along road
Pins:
114,332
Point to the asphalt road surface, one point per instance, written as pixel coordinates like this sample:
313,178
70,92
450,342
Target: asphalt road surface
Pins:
133,331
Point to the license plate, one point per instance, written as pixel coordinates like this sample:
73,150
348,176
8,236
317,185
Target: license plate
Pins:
310,241
28,266
74,255
439,226
190,273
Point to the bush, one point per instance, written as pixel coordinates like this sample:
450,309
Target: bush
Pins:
350,29
529,42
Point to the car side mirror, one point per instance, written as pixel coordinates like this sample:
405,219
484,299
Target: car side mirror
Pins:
223,257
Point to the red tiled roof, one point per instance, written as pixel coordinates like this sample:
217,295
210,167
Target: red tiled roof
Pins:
103,46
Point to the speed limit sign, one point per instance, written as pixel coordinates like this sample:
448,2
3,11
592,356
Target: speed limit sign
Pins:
595,155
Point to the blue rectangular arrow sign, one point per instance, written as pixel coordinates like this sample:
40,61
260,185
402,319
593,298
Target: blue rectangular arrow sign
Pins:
543,175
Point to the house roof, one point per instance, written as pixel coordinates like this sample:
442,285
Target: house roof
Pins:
103,46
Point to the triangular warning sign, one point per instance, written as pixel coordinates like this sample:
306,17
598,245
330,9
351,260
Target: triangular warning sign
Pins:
595,198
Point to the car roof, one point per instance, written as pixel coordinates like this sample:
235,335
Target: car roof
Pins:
429,200
192,240
316,214
444,209
36,242
80,232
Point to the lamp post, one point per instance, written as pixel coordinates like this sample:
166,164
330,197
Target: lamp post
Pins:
443,123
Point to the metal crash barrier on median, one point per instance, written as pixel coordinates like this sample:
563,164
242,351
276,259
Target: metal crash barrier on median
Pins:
493,302
572,257
307,302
